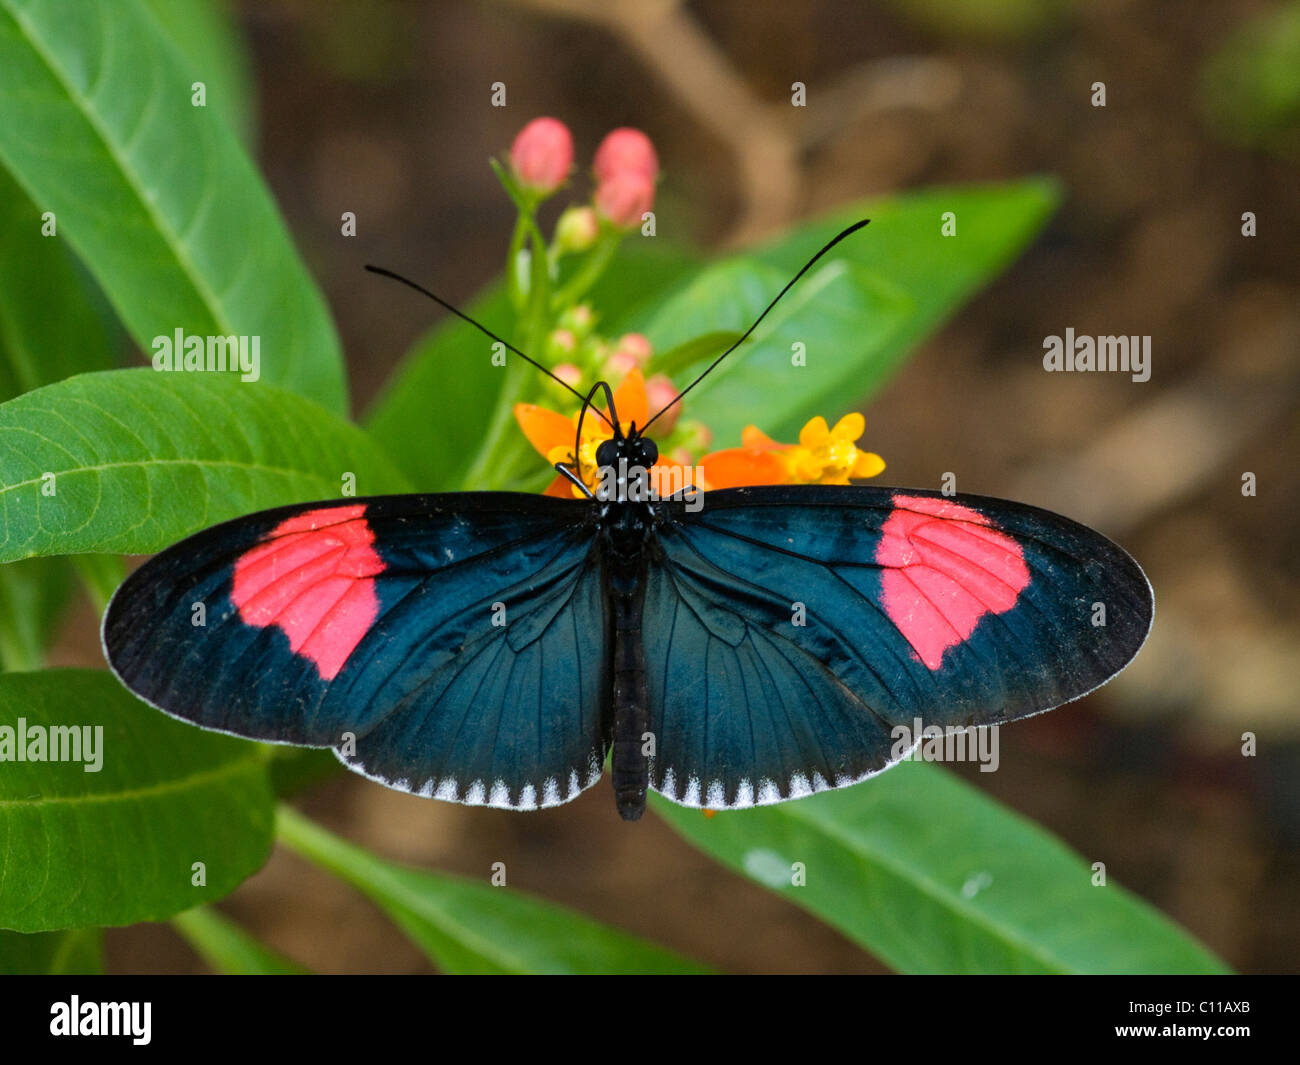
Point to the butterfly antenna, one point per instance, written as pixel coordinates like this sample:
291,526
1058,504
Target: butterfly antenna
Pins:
477,325
586,406
789,285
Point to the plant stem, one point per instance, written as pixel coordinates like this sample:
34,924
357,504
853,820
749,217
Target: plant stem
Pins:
512,264
598,259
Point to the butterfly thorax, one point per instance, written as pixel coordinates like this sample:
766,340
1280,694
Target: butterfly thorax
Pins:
625,500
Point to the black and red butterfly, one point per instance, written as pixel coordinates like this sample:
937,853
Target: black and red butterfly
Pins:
494,648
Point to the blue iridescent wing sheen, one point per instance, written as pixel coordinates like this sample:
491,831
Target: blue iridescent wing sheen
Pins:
448,645
790,629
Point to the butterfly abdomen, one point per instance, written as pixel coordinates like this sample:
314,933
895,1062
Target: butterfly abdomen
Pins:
627,531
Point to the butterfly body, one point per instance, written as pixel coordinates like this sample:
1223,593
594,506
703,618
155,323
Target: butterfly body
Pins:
627,529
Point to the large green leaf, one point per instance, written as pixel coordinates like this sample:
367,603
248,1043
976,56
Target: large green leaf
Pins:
76,952
433,416
840,315
204,32
466,927
120,844
932,876
156,195
141,459
52,324
898,280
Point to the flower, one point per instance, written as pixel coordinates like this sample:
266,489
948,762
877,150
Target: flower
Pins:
625,150
576,230
560,344
552,435
660,391
632,351
624,197
822,456
542,155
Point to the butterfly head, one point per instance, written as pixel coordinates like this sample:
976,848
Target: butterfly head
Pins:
638,450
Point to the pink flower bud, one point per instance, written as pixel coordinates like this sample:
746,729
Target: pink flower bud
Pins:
542,154
636,347
561,342
624,197
579,318
695,435
659,392
577,229
568,373
625,151
619,365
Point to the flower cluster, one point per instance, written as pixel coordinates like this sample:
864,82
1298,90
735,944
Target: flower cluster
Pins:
547,282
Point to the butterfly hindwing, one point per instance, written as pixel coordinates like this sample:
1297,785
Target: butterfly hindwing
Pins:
790,629
450,645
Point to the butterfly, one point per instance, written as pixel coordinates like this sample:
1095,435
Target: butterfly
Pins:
725,649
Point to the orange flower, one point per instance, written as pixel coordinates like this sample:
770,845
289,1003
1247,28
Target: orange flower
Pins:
552,434
822,456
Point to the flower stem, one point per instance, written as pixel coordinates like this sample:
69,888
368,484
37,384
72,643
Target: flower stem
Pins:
598,259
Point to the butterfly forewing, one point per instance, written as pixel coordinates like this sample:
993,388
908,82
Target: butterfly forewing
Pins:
449,645
790,629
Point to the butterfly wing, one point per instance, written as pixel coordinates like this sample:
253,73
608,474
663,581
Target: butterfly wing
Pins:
790,629
448,645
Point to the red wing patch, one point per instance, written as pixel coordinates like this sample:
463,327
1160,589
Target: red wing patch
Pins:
311,576
945,568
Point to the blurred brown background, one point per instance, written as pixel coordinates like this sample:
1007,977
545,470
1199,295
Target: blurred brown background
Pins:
382,109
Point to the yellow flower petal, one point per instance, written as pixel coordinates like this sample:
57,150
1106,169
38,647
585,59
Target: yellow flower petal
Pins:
814,433
849,428
868,464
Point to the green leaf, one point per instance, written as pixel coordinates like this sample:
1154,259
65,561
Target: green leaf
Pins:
298,769
52,324
206,36
155,194
33,594
466,927
141,459
76,952
901,264
1250,87
932,876
119,844
691,353
840,314
434,413
228,948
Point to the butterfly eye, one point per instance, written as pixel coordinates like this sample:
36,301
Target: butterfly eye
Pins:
607,453
649,452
